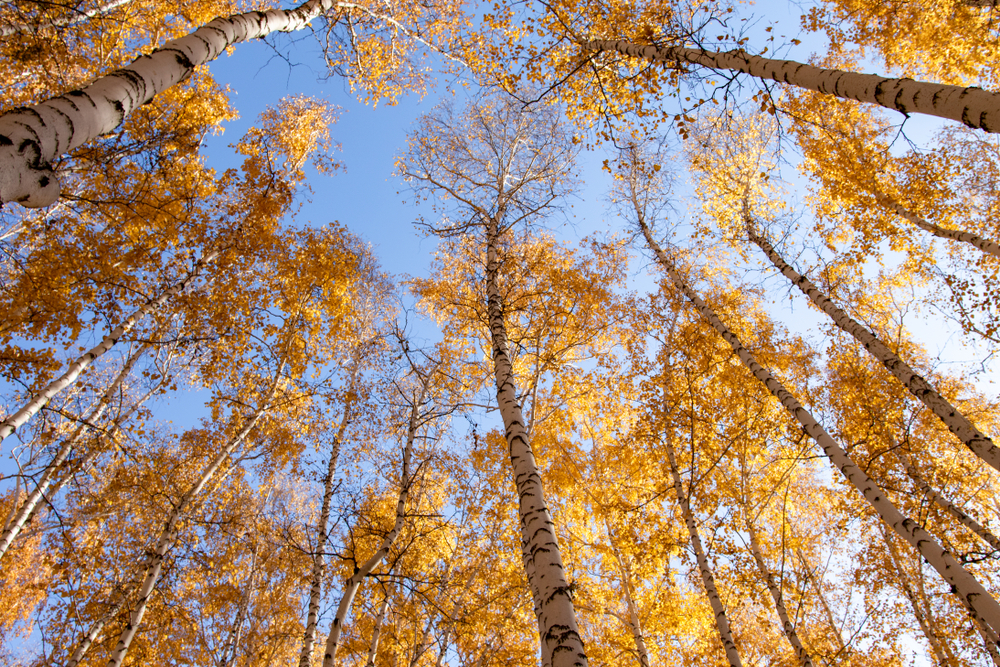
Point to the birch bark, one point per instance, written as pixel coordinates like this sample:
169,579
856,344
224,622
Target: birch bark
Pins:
964,585
168,536
634,625
377,631
232,645
779,602
978,442
32,138
81,363
78,17
323,534
986,245
949,506
974,107
918,611
721,621
95,630
27,508
354,581
561,644
830,620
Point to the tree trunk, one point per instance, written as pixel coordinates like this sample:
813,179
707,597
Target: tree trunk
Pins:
915,606
319,560
831,621
229,650
949,506
964,585
15,421
975,240
979,443
95,630
77,17
27,508
721,621
34,137
168,535
561,644
377,631
634,625
354,581
779,601
973,107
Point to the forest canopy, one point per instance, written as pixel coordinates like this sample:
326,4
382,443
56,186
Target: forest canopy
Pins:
233,434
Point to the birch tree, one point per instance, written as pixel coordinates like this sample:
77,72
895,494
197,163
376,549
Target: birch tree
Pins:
502,168
967,588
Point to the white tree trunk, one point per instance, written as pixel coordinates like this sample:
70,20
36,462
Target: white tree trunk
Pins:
918,611
16,420
354,581
561,644
974,107
978,442
377,631
168,535
76,18
830,620
964,585
34,137
322,535
779,599
949,506
975,240
633,623
721,620
27,508
95,630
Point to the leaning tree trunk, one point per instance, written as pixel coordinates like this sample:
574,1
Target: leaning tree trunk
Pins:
963,584
95,630
360,572
973,107
561,644
16,420
721,621
818,585
634,624
779,600
319,561
377,631
949,506
27,508
31,139
168,536
978,442
986,245
918,611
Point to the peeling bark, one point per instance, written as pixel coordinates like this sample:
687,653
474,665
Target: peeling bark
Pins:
974,107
